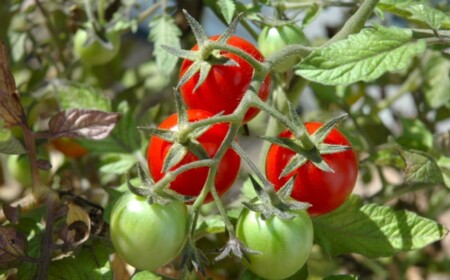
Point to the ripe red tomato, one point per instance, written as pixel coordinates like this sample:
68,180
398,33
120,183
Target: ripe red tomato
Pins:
225,86
326,191
191,182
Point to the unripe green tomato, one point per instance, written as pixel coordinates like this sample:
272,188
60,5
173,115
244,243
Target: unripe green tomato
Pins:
19,168
95,53
284,244
274,38
148,236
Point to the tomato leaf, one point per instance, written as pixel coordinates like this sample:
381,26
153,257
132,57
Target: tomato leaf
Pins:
92,262
415,10
164,31
13,246
421,168
123,139
437,80
72,95
361,57
11,111
227,7
415,135
373,230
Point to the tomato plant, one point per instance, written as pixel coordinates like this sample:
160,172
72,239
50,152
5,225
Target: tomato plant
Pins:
284,245
324,190
190,183
274,38
148,236
69,147
225,85
94,53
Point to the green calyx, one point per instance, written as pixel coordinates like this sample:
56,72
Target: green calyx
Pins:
309,148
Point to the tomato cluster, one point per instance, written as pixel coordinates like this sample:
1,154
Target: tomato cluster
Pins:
158,232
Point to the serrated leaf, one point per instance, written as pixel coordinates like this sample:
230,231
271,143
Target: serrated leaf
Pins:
71,95
437,80
227,7
417,10
91,124
427,14
373,230
421,168
164,31
364,56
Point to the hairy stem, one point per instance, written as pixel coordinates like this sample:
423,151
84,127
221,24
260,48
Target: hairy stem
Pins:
356,22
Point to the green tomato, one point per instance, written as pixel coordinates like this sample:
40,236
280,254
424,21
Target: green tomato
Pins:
148,236
274,38
284,244
95,53
20,170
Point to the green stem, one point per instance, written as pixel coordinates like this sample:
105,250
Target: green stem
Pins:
323,3
356,22
101,11
170,176
258,66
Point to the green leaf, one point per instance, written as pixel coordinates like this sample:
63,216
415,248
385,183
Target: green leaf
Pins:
91,263
415,135
164,31
417,10
444,164
432,17
361,57
211,225
10,145
227,7
71,95
373,230
437,79
421,168
147,275
117,163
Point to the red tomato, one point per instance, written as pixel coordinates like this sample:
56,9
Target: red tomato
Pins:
191,182
225,86
326,191
69,147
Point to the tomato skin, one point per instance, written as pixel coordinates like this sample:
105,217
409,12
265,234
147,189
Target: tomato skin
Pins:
274,38
191,182
326,191
95,53
225,86
148,236
285,244
69,147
